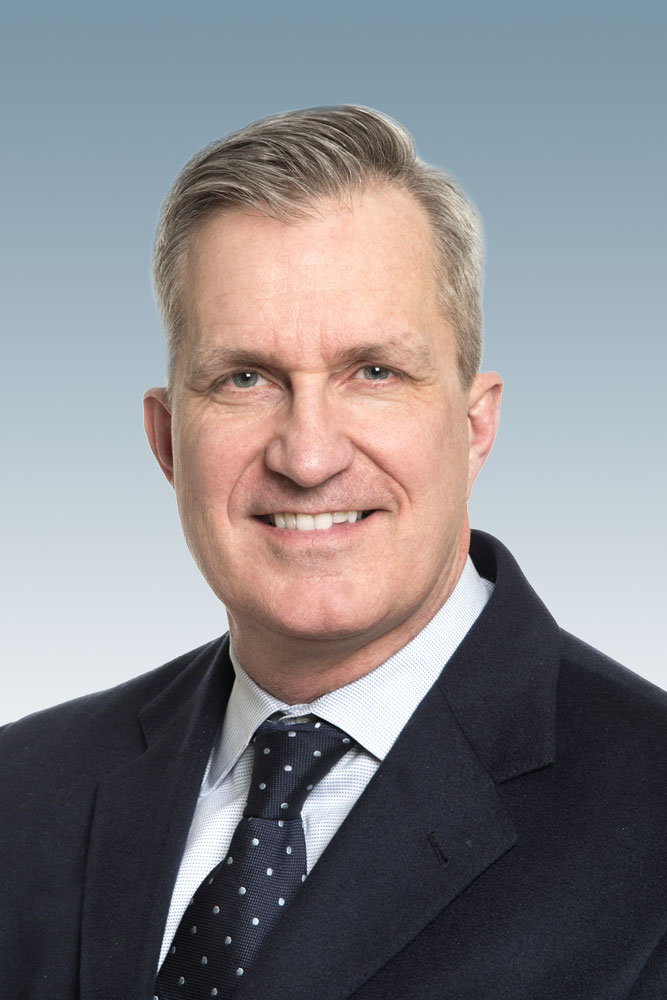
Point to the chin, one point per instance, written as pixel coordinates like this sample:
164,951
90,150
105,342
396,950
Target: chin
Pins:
313,612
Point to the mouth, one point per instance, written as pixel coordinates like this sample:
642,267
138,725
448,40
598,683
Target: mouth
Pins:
324,521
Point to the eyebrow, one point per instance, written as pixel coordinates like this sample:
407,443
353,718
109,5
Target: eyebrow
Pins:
395,350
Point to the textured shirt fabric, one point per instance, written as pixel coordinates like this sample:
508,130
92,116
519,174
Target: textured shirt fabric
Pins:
372,710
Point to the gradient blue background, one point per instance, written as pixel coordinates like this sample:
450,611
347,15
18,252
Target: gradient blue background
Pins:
551,116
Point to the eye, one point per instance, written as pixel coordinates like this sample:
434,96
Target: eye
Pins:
373,373
247,380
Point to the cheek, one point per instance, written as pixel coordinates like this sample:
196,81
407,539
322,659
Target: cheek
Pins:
204,472
428,457
220,467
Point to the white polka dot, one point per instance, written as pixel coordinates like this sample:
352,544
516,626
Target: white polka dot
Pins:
281,822
269,871
284,805
254,842
266,750
204,960
287,767
230,860
309,788
255,921
216,909
193,929
228,940
210,881
262,785
239,971
242,890
172,950
214,992
180,980
317,725
291,733
281,901
317,753
346,739
288,850
303,878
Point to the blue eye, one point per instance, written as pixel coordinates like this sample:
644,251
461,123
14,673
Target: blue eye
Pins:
375,373
245,380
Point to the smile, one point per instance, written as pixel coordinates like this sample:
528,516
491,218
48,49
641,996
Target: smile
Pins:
294,521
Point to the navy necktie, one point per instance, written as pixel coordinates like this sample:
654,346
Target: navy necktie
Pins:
238,903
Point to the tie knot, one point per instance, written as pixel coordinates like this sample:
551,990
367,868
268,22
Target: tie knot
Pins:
290,758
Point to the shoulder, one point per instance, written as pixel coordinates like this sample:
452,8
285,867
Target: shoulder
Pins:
608,688
605,792
81,735
619,717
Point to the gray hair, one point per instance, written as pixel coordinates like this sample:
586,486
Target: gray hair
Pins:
283,164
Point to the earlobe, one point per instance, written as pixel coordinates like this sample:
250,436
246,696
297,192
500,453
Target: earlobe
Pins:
483,417
157,423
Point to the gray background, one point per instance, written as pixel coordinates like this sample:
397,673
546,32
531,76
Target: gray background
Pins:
551,115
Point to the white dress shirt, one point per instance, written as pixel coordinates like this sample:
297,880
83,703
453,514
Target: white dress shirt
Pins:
372,710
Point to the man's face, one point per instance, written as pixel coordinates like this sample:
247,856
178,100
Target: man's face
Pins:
318,377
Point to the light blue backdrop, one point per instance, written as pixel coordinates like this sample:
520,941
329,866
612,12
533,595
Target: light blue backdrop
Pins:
553,118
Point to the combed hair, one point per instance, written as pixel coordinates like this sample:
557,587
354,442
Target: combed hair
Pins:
282,165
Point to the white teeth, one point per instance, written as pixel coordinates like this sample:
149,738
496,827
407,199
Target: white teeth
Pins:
314,522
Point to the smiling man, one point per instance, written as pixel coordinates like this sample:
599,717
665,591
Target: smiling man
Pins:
395,778
317,354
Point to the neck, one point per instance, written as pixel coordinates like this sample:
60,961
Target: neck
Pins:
299,669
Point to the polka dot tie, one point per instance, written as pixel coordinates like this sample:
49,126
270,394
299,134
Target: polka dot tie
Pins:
238,902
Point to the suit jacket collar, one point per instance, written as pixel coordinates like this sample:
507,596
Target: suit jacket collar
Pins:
501,683
428,824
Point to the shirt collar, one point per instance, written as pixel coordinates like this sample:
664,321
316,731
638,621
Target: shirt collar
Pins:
373,709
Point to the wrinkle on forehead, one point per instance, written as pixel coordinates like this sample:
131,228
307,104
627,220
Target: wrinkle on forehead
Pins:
205,362
315,286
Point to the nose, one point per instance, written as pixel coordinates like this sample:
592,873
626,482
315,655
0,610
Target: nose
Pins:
308,444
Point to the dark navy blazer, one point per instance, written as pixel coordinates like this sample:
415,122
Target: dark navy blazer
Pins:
513,844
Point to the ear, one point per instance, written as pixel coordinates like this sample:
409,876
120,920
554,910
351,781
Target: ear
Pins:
483,416
157,422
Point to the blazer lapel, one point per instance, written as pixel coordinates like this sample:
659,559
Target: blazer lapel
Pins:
415,839
140,823
431,820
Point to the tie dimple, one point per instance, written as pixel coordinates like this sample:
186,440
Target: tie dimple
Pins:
238,903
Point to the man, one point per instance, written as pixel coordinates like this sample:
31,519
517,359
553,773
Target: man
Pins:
396,777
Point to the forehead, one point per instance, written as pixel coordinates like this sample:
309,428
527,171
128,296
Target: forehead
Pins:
365,269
